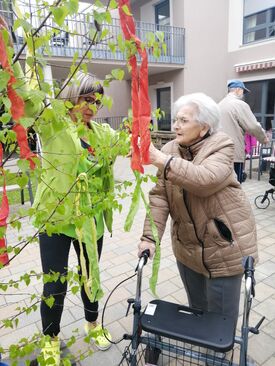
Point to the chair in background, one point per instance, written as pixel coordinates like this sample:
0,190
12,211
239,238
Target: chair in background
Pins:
267,158
255,154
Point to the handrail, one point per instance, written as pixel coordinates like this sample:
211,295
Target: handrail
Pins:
77,38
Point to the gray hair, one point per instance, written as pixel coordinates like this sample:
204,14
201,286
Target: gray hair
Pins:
81,84
206,110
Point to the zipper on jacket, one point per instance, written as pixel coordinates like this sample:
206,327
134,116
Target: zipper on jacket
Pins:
195,229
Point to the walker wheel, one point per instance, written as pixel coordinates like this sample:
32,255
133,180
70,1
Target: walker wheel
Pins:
262,203
273,195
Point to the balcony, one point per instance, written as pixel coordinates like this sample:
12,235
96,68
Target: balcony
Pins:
65,44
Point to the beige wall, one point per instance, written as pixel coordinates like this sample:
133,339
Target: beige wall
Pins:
214,33
206,46
121,94
246,54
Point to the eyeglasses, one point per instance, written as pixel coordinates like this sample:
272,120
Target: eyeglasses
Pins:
91,100
180,120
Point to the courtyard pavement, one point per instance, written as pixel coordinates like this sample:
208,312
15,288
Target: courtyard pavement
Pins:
118,262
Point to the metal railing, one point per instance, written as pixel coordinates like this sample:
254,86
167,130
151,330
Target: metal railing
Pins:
114,122
77,38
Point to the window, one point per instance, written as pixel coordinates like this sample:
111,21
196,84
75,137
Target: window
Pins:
262,101
260,25
162,13
164,103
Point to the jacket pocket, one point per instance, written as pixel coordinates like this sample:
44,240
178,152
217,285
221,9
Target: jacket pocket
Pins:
218,233
224,231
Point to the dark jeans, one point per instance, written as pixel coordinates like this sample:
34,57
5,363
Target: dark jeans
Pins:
220,295
54,252
238,167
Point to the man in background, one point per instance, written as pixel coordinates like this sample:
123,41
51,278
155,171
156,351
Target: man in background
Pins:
236,119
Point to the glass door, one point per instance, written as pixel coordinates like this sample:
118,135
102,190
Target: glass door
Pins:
262,102
164,103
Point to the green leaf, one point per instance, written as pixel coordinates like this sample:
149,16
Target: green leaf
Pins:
164,47
118,74
68,104
75,289
112,46
113,4
5,118
22,180
26,121
126,10
134,204
59,15
156,262
4,78
49,301
22,23
99,4
160,36
108,17
107,101
6,102
72,6
150,36
23,165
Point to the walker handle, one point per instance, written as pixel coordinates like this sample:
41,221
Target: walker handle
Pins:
249,267
145,254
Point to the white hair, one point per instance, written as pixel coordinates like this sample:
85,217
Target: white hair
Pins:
81,84
206,110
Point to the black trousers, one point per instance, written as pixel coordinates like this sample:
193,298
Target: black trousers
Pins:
54,252
238,167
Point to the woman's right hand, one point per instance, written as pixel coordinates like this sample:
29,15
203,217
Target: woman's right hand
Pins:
144,245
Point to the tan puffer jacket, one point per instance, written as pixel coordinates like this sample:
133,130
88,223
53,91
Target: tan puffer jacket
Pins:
212,224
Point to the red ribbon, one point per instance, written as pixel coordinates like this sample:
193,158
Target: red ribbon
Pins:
141,105
4,213
17,111
17,107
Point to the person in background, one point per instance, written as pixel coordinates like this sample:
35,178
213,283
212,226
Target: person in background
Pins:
212,223
236,119
250,142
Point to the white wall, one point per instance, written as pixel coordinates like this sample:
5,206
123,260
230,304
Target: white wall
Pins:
235,25
147,11
254,6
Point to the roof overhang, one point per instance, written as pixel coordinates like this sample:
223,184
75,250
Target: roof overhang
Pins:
255,65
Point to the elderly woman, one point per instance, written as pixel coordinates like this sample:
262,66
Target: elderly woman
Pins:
212,224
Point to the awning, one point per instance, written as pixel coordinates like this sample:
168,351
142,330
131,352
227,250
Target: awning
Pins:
255,65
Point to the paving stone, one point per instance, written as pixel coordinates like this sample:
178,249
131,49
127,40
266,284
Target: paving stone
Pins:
119,260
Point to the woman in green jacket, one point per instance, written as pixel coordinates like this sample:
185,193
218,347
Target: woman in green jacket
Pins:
73,202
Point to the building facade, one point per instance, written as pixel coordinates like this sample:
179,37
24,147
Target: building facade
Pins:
208,43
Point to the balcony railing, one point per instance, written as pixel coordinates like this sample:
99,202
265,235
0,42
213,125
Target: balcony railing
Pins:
65,44
114,122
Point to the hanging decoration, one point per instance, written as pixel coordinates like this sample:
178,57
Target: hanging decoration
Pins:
141,106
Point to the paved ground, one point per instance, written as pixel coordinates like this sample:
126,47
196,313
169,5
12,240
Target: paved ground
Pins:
119,261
